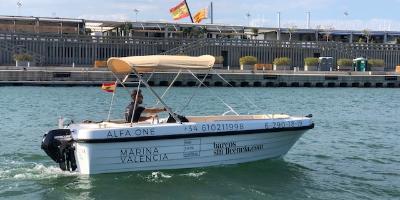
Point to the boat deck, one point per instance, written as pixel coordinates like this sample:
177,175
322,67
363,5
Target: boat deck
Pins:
119,123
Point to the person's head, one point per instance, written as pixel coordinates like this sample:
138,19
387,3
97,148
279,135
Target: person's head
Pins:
139,96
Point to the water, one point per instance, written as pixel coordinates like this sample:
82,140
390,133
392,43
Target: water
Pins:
352,153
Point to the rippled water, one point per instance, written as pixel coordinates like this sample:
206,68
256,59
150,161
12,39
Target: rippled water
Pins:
352,153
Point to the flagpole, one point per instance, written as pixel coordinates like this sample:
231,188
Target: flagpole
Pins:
112,100
191,18
212,12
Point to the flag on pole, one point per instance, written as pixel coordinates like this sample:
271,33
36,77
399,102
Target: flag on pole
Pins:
108,87
180,11
200,15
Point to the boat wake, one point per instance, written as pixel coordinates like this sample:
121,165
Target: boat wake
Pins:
194,174
21,169
38,172
159,177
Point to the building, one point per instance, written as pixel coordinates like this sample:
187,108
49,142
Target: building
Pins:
63,41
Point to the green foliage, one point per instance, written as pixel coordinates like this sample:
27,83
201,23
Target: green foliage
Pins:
88,31
171,28
188,31
376,63
194,31
345,62
310,61
282,61
203,30
127,26
248,60
219,59
255,31
23,57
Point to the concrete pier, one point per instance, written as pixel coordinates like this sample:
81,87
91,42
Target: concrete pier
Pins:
59,76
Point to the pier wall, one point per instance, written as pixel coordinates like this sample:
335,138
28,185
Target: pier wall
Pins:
234,78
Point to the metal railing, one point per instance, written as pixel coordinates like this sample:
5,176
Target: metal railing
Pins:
55,49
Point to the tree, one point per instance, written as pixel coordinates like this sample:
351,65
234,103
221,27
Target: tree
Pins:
127,28
291,30
319,28
367,34
194,32
328,32
255,32
397,40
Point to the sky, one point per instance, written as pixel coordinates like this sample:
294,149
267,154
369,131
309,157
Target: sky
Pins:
379,15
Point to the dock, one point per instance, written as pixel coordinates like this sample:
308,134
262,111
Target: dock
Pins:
79,76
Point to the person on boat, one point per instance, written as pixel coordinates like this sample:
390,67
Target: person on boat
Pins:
136,100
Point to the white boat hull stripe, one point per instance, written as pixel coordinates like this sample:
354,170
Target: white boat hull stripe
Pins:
192,135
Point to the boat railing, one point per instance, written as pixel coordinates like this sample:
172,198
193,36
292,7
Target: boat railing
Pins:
234,117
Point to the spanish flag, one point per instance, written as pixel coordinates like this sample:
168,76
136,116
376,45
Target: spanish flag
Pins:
200,15
108,87
180,11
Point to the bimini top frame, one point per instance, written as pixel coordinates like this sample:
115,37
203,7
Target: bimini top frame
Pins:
138,64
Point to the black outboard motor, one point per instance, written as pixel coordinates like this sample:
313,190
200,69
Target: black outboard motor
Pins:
58,146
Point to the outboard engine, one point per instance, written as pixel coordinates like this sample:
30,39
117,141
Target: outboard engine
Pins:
58,146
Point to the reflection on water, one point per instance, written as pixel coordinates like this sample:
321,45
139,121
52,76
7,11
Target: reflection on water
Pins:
255,180
47,181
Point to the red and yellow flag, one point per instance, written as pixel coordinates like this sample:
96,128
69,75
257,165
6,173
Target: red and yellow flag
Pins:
108,87
200,15
180,11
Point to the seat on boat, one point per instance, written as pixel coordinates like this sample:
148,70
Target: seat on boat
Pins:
142,120
123,123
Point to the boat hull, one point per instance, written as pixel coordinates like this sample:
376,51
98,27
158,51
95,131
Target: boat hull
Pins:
189,152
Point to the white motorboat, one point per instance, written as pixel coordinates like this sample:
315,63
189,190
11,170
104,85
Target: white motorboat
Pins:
156,143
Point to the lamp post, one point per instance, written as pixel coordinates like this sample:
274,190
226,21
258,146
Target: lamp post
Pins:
345,22
279,19
248,18
136,13
278,32
19,5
